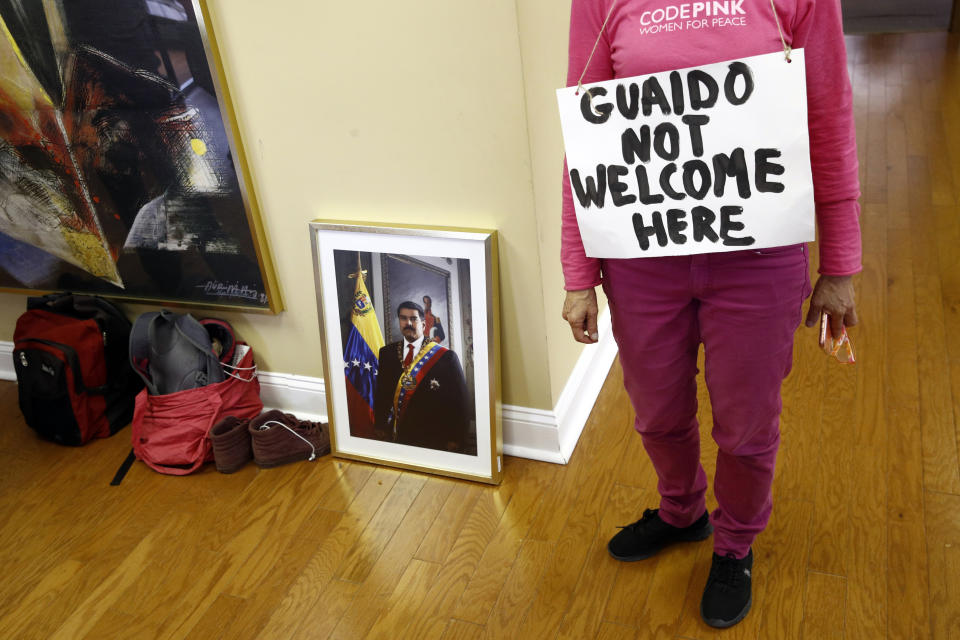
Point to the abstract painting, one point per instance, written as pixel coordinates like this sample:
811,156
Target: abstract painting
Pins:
117,172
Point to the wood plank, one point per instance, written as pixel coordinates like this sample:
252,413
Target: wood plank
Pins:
875,185
211,624
824,606
103,597
951,569
353,478
591,594
908,588
781,554
942,513
673,602
796,476
865,546
405,602
462,561
596,469
941,461
319,622
298,548
367,549
624,606
308,589
498,557
948,239
373,596
514,599
460,630
449,522
17,620
831,535
611,631
612,408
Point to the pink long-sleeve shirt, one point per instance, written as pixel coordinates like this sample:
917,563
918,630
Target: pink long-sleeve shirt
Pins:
639,40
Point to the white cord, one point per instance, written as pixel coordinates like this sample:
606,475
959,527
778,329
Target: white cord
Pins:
226,366
230,366
313,449
592,51
786,47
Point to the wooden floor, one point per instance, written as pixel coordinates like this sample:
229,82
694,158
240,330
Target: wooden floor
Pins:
864,541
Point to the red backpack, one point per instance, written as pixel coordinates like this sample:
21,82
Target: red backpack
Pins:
189,388
74,379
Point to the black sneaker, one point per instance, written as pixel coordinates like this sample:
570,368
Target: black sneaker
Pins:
726,598
650,534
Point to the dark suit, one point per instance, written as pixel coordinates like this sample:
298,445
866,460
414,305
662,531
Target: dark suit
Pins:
436,411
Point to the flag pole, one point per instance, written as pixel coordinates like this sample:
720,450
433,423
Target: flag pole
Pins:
360,272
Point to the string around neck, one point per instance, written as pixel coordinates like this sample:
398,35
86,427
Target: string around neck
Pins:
787,50
594,50
783,41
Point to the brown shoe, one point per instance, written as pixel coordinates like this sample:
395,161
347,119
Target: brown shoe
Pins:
280,438
231,444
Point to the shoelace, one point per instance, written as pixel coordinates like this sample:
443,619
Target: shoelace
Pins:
727,571
648,515
313,449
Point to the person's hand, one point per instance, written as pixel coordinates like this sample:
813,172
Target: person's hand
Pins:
580,310
833,295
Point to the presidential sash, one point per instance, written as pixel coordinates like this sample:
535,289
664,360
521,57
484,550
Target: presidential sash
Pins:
429,355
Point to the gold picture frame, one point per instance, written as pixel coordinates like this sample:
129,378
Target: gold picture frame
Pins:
131,179
441,412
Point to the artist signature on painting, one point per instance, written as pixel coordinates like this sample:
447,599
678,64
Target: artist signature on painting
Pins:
232,290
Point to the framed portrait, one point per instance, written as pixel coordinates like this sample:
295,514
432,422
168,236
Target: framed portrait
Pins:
121,169
409,322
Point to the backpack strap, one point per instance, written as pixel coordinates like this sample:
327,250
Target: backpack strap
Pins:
140,347
197,336
124,468
60,302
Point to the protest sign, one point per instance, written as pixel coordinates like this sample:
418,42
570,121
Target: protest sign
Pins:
700,160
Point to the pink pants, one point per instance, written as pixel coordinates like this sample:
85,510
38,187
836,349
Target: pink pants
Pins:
744,307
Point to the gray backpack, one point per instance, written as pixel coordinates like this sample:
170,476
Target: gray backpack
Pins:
173,352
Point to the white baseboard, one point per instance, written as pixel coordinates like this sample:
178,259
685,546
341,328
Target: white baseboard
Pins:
550,436
583,386
7,372
302,396
531,433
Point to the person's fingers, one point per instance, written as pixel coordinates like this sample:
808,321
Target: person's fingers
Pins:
836,324
580,312
850,318
592,332
813,313
576,321
579,336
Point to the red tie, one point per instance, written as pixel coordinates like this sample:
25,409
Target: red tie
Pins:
409,358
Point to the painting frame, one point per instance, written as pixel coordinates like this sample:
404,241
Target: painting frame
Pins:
345,250
257,290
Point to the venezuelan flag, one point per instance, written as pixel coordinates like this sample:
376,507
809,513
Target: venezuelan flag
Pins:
360,361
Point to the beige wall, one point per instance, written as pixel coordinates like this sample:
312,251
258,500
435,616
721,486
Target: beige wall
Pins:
544,25
403,112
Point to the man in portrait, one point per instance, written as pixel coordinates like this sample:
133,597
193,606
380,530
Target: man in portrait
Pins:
431,323
421,394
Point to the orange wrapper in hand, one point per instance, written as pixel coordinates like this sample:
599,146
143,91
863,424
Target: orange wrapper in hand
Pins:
840,346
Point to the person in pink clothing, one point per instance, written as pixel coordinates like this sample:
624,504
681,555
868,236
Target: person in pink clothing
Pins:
743,306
